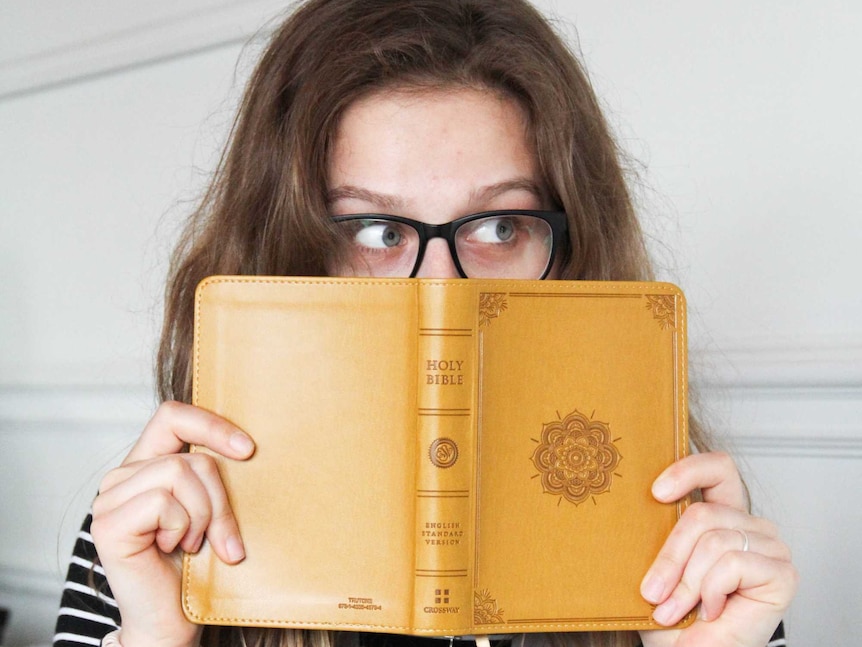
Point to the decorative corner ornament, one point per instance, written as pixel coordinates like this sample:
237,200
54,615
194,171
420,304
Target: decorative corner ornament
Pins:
485,611
491,304
663,308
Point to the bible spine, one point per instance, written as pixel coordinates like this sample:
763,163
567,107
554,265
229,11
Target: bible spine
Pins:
446,408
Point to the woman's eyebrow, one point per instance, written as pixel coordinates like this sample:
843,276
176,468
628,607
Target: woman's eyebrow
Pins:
488,193
347,191
394,203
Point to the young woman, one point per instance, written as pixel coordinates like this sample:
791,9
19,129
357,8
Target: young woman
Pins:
432,111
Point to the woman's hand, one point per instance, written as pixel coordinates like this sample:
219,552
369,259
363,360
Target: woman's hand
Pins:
718,554
158,500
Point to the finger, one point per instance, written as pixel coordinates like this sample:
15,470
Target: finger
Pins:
223,532
698,519
748,577
744,598
175,474
175,425
714,473
711,549
193,480
130,529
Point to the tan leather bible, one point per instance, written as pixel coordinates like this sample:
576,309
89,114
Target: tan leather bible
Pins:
440,457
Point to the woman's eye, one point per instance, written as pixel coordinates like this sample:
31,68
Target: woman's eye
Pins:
493,230
378,235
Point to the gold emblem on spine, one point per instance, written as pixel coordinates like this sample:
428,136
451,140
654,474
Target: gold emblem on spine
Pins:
443,452
576,457
663,308
491,304
485,611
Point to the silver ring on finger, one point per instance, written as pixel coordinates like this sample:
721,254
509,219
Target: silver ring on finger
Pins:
745,543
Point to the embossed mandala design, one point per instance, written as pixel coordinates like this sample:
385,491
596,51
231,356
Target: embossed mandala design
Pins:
576,457
485,611
491,304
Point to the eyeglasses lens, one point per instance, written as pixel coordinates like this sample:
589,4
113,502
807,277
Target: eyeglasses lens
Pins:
381,247
504,246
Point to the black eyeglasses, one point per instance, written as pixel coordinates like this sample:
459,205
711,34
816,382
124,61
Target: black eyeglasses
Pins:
514,243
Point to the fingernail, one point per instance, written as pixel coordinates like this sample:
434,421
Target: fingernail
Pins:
662,489
241,443
652,588
664,614
235,549
702,614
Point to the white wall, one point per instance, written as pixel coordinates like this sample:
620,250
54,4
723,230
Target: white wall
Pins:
743,117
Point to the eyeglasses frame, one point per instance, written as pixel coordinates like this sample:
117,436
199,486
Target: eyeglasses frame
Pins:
557,220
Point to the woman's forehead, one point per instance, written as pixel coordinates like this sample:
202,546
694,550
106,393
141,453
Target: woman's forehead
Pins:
431,143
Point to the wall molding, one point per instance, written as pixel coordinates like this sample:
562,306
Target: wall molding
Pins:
58,406
771,400
811,446
780,420
126,46
31,582
830,361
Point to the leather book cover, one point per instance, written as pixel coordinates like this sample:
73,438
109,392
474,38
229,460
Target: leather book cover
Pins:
440,457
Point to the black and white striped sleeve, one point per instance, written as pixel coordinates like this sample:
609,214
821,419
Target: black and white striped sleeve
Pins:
778,639
87,608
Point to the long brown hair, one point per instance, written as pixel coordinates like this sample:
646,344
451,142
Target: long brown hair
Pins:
265,210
